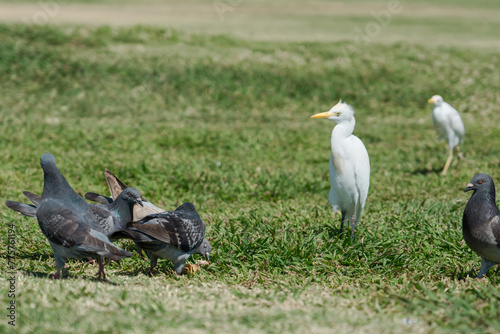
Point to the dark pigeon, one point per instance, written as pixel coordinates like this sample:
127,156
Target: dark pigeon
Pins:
481,222
69,223
173,235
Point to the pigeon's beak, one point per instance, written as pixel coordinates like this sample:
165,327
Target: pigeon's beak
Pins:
323,115
139,201
206,255
469,187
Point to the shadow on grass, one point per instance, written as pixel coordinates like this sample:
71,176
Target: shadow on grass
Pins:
37,274
158,271
133,273
34,256
335,232
472,274
426,171
66,275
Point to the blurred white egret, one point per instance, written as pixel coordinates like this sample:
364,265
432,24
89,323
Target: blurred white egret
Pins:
349,166
448,125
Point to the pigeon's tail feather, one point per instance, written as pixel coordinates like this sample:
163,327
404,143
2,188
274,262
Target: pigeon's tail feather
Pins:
25,209
32,197
132,234
99,243
101,199
115,256
115,185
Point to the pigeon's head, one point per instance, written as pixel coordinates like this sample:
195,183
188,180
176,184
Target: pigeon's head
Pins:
205,249
437,100
339,112
132,196
479,182
47,159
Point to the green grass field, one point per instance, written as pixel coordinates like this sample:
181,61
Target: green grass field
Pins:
223,120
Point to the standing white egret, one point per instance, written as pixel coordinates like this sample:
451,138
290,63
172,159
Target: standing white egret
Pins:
349,166
448,125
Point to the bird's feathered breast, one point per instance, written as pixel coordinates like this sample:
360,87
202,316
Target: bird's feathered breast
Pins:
481,219
350,155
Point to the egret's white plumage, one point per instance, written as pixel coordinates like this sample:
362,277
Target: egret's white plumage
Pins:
349,166
448,125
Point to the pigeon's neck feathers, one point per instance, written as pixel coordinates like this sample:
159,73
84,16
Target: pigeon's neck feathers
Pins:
482,203
123,210
55,185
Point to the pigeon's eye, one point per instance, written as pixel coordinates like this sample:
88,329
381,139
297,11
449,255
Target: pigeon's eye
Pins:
129,195
480,181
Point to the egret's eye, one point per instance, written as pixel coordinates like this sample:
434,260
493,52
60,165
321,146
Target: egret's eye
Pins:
337,113
480,181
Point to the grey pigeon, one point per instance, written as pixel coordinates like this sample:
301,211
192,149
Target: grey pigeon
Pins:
69,223
481,222
173,235
112,217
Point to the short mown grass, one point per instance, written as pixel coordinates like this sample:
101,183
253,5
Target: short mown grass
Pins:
224,123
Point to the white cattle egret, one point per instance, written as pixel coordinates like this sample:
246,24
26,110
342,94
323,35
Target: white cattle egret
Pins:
349,166
448,125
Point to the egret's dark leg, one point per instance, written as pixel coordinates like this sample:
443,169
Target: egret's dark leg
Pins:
342,221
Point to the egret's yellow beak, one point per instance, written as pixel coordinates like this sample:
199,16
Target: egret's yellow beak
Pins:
430,100
323,115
